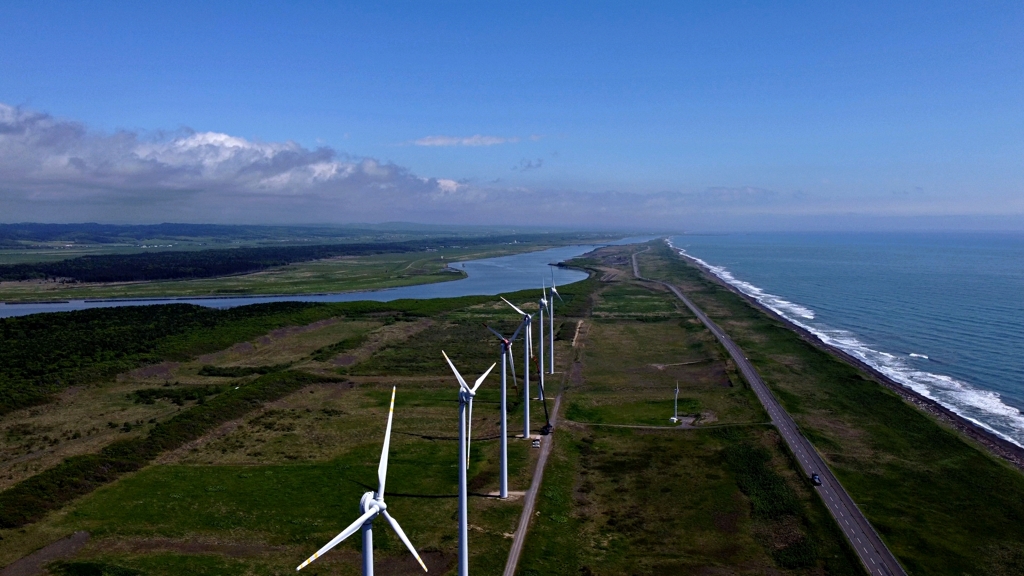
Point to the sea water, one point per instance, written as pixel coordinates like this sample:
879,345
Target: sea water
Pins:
940,313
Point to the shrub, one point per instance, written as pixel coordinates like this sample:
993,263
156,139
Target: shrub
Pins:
30,499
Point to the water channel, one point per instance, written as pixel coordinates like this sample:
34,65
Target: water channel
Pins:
484,277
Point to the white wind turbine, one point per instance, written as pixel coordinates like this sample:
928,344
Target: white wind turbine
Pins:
527,353
551,317
506,362
371,505
675,412
542,306
465,424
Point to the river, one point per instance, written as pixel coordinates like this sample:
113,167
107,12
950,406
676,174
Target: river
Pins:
485,277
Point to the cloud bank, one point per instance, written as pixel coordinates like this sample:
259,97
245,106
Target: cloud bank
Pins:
55,170
475,140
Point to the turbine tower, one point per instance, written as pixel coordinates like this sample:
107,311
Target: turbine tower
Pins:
527,353
371,505
465,402
551,317
506,362
540,365
675,412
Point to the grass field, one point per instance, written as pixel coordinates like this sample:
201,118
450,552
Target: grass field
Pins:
343,274
722,498
943,505
624,493
259,494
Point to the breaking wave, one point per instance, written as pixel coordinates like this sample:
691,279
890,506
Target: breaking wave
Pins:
982,407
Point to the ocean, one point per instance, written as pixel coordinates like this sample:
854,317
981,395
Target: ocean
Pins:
940,313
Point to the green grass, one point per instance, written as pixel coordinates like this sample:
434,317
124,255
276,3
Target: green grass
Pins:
724,498
622,300
345,274
614,411
618,501
943,505
295,508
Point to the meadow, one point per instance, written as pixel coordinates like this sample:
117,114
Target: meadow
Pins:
627,492
941,503
239,441
294,461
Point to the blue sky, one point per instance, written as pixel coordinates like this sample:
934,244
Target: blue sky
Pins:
724,115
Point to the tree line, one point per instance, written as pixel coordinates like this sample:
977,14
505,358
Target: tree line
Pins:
175,265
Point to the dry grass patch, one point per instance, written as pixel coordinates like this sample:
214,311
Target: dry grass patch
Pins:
81,420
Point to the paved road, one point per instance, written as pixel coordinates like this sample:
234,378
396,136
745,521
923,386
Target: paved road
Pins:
531,498
873,553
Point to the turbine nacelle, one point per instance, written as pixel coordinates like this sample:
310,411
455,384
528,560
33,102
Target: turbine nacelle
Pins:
370,500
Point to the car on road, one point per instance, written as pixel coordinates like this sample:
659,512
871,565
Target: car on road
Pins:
815,479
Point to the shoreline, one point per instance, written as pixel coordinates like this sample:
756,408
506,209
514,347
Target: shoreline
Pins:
993,443
462,275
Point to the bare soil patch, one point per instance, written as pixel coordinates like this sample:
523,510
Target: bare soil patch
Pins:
234,550
32,564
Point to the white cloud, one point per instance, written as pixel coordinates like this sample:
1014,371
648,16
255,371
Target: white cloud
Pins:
54,170
475,140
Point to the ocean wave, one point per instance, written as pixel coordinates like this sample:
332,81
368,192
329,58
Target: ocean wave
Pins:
773,302
982,407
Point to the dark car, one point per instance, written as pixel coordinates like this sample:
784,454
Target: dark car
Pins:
815,479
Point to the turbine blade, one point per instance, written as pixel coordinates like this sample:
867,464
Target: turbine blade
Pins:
480,380
405,539
495,332
337,539
554,289
462,382
382,468
513,306
512,364
516,333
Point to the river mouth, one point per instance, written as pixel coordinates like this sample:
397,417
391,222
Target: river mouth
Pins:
484,277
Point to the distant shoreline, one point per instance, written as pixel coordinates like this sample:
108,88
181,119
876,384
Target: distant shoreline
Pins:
462,274
995,444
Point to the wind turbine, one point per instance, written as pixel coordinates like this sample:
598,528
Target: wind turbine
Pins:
551,317
371,505
465,424
506,362
543,305
527,353
675,412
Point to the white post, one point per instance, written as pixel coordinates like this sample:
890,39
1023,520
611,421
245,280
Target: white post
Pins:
368,548
463,513
526,381
540,365
503,481
551,327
